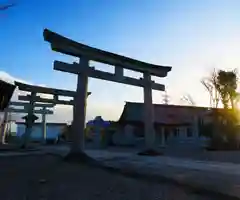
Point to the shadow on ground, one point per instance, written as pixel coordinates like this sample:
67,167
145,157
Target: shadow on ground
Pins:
48,177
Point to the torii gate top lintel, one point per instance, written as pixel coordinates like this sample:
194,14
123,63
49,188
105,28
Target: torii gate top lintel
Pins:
52,91
77,49
45,90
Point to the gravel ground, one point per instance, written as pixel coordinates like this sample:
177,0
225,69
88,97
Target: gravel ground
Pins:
47,177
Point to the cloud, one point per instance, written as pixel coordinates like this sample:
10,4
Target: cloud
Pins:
10,79
62,113
107,109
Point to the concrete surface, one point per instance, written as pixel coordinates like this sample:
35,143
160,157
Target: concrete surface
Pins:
47,177
218,177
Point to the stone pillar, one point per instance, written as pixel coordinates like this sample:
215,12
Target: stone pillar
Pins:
163,142
4,126
44,128
29,121
79,110
118,72
28,130
148,113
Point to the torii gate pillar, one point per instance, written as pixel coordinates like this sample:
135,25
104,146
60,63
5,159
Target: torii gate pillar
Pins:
44,126
79,109
148,112
29,121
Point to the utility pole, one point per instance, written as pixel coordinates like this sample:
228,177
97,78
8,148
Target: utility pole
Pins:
165,98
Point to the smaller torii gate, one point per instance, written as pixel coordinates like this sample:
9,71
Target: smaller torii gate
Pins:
42,109
29,118
55,100
82,69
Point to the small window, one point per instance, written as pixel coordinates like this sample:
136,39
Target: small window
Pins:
189,132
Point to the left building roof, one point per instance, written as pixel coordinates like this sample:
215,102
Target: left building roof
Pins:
6,92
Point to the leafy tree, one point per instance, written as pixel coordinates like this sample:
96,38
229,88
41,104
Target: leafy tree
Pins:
226,86
223,84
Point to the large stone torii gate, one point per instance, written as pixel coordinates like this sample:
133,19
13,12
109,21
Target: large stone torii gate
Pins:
83,70
52,91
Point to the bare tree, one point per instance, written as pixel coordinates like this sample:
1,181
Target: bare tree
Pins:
211,85
188,99
6,6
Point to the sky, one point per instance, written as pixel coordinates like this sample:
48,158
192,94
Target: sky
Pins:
191,36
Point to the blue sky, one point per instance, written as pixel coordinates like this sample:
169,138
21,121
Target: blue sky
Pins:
191,36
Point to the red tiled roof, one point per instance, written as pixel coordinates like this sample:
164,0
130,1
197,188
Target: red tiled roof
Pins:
164,114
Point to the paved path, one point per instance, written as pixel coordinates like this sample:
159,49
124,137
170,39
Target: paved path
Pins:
226,168
154,162
223,178
211,166
219,177
46,177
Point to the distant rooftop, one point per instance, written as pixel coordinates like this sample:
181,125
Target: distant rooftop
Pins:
163,113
